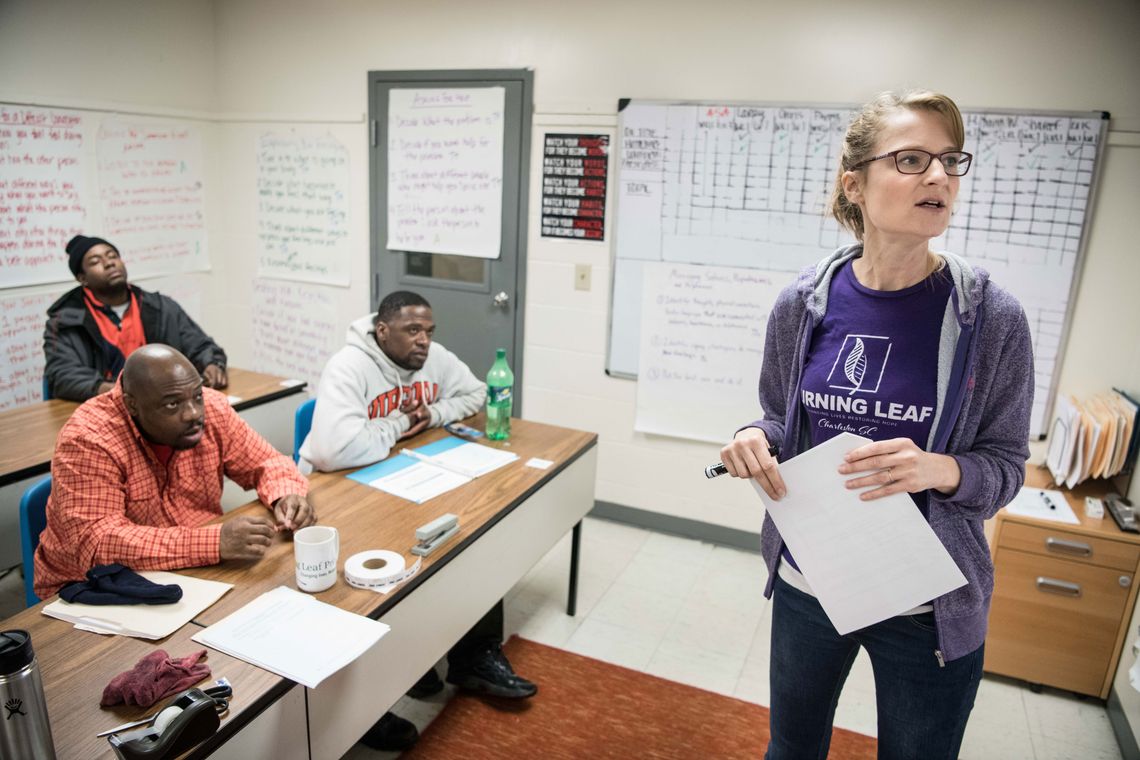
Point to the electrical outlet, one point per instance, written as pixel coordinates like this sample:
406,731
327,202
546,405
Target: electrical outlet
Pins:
581,277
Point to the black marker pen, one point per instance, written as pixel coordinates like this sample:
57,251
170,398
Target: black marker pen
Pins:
719,469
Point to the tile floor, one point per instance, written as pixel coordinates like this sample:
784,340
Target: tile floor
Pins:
694,612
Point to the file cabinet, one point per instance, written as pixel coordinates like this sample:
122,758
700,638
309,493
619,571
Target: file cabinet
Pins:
1063,596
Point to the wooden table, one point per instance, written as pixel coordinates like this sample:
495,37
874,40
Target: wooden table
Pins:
29,433
76,666
509,519
1063,595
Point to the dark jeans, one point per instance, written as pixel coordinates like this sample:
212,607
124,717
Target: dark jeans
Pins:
488,630
922,707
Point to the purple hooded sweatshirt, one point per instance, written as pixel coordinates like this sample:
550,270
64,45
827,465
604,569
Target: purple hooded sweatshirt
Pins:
985,395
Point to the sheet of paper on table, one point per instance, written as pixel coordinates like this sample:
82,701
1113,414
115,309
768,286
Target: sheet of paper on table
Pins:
144,621
866,561
409,478
464,457
424,473
1042,504
294,635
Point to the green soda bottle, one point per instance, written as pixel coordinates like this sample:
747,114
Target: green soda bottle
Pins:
500,384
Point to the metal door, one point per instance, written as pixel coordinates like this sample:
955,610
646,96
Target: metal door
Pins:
477,303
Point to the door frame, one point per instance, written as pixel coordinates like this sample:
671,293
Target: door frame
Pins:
377,246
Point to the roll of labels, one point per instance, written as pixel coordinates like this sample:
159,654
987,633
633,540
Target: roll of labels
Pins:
381,570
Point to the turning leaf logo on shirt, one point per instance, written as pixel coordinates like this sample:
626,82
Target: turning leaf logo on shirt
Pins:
855,366
862,360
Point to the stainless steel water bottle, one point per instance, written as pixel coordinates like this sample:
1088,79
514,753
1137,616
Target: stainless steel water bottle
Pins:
24,729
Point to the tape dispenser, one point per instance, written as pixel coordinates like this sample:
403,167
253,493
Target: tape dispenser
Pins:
188,720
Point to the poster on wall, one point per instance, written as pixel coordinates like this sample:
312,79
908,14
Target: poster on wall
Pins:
445,170
702,342
22,319
43,192
574,171
302,208
151,195
295,328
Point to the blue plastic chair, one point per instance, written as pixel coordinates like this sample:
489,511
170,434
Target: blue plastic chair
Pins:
33,520
302,422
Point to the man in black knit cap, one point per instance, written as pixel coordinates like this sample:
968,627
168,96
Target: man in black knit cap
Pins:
93,328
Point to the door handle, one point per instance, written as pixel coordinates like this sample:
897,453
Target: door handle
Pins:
1054,586
501,299
1068,547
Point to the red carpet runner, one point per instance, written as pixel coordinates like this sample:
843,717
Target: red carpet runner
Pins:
590,709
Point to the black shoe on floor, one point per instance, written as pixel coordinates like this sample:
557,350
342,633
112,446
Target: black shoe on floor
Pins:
489,673
391,733
429,685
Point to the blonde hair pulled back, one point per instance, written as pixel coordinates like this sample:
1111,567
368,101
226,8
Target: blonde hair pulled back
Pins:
863,133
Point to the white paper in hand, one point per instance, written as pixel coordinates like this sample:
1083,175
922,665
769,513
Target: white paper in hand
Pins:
865,561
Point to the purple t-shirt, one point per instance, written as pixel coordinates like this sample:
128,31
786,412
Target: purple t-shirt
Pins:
872,367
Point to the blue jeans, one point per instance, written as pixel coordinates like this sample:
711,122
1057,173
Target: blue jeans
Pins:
922,708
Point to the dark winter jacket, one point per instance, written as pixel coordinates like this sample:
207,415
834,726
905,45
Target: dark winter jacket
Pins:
77,363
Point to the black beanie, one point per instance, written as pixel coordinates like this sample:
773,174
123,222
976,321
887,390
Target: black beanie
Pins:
77,247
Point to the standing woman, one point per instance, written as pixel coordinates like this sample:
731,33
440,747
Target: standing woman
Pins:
921,353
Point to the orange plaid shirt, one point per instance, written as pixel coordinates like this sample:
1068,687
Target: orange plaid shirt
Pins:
113,501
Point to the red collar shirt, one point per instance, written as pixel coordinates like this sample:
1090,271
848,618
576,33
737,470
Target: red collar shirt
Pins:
113,500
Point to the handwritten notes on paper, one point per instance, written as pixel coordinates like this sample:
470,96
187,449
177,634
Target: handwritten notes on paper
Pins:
43,194
702,342
296,328
302,208
22,320
137,184
445,170
151,195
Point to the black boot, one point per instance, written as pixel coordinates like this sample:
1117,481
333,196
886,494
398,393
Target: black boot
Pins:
489,672
391,733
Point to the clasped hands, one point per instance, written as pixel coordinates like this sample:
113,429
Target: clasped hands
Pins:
886,467
419,416
250,537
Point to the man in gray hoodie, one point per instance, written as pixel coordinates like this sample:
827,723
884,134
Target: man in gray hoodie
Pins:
389,383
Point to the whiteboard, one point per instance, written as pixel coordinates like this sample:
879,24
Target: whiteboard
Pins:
746,186
136,182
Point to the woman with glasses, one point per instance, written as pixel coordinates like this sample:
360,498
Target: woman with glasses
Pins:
921,353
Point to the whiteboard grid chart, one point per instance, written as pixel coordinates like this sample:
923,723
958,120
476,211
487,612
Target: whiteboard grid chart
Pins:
748,186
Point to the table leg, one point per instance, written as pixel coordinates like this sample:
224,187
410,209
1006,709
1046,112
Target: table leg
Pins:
575,542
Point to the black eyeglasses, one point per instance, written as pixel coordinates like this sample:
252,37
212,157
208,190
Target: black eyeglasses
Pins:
916,161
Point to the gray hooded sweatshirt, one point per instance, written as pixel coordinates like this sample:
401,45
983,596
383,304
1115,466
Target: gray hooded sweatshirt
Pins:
985,396
357,418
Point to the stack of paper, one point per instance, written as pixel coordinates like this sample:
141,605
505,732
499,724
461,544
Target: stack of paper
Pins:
1093,438
421,474
294,635
144,621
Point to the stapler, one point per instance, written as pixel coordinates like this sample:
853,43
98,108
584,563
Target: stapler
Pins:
183,724
431,536
1122,512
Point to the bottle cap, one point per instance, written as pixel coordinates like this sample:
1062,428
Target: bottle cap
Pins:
500,353
16,651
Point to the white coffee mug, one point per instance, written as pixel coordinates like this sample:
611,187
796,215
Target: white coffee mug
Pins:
315,550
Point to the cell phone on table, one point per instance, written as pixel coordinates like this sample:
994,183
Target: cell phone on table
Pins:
458,428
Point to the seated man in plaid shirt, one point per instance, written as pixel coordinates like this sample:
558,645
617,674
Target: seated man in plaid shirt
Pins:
138,470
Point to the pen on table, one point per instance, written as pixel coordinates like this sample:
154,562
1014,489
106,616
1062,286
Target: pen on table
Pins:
719,469
1048,502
